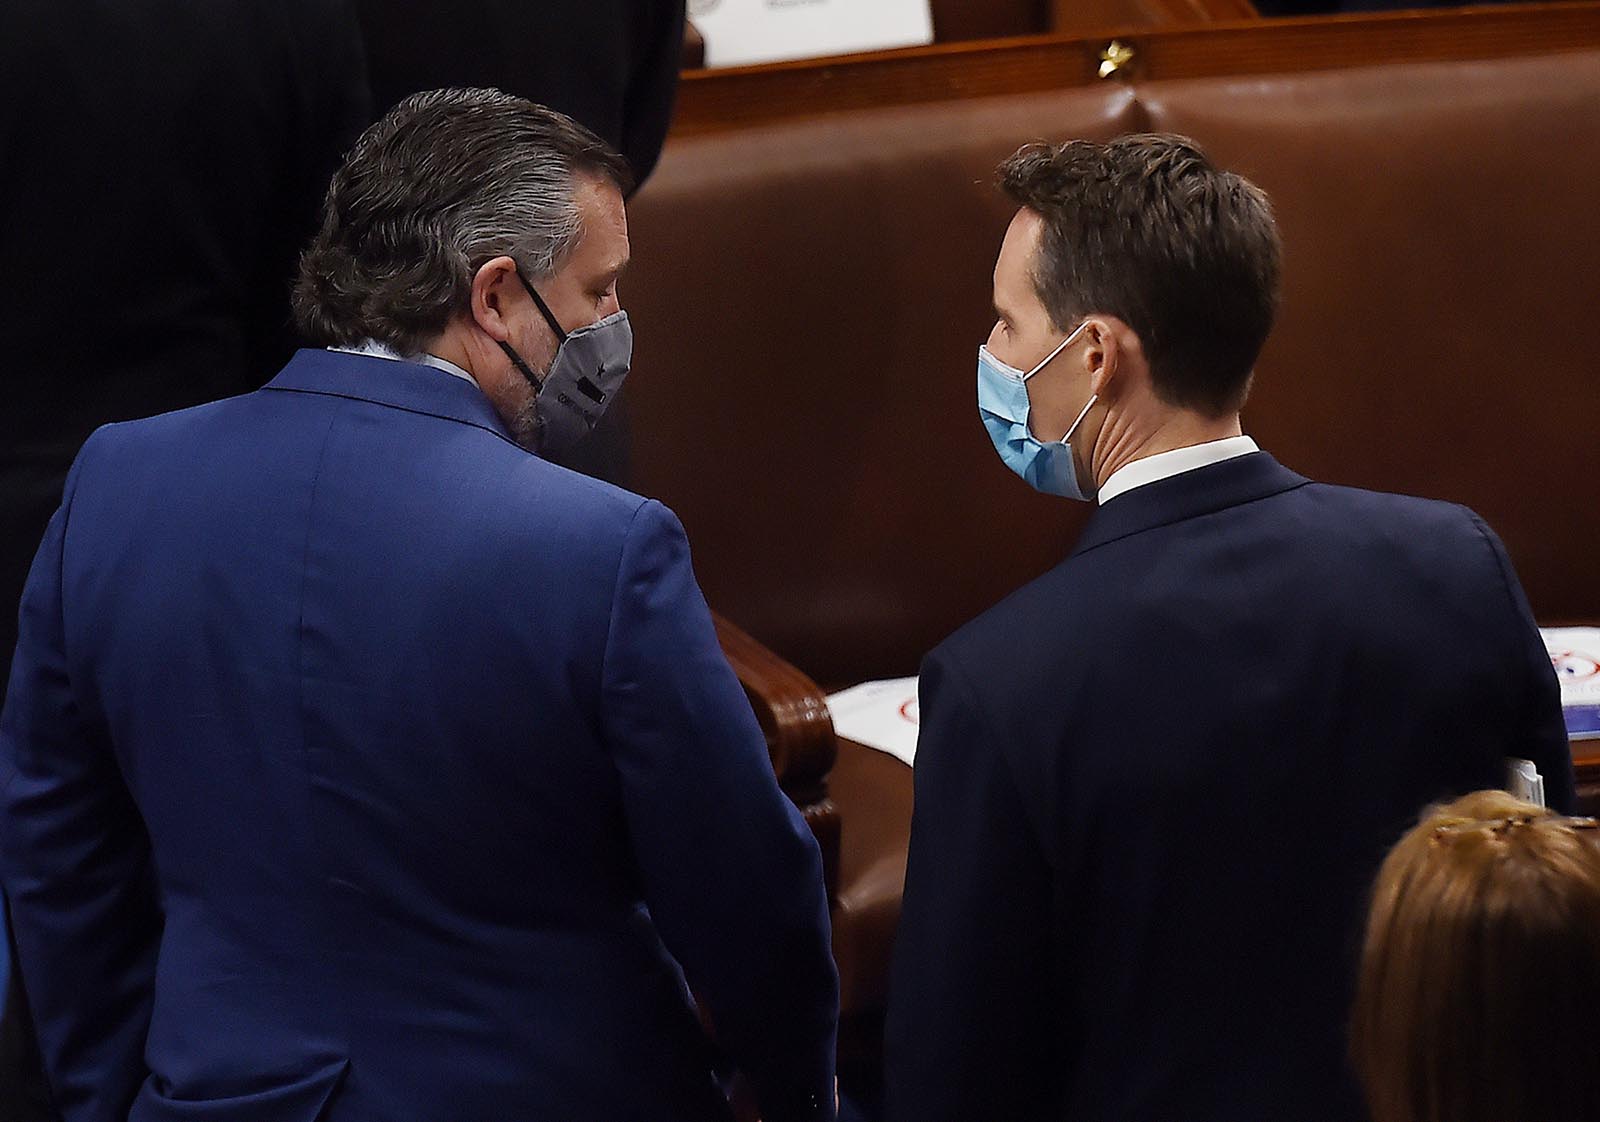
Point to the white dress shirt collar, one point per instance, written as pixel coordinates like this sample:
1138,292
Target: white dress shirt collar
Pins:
374,349
1164,465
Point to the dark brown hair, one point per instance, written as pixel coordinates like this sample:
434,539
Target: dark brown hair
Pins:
1481,971
447,180
1144,228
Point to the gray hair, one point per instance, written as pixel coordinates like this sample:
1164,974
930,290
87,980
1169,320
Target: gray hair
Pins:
446,181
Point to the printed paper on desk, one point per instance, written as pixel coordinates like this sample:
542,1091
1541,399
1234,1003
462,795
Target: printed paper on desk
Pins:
1575,653
746,31
881,715
1524,781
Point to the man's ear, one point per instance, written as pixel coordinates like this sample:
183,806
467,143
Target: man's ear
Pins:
494,291
1103,354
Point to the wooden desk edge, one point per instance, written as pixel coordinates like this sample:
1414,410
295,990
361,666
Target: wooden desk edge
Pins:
717,100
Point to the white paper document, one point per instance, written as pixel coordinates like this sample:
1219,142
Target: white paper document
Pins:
1524,781
881,715
1575,653
747,31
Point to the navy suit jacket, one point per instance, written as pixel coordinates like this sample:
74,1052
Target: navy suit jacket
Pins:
358,765
1154,785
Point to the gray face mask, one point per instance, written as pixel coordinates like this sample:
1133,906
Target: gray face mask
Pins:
584,377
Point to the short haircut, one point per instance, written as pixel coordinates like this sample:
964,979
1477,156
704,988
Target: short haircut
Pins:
1144,228
1481,971
446,181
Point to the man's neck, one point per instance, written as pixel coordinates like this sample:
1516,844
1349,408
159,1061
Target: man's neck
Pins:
451,349
1126,439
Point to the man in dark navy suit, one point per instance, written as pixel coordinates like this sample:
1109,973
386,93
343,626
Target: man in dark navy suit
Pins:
361,764
1153,785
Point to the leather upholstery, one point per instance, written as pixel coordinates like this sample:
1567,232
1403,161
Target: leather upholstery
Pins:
988,19
1437,334
808,303
872,792
809,298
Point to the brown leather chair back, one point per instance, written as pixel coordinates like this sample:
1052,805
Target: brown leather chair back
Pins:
955,20
1438,329
809,297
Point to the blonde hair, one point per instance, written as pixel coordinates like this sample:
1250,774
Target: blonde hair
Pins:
1480,977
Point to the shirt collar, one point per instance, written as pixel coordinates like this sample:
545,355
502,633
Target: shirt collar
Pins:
1164,465
374,349
405,385
1191,494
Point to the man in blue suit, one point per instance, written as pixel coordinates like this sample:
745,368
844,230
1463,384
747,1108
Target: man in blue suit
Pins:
1153,785
359,764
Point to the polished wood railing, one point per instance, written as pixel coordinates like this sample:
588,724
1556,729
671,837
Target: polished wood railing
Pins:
793,714
716,100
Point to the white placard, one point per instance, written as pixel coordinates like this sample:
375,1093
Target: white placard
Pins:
1575,653
745,31
881,715
1524,781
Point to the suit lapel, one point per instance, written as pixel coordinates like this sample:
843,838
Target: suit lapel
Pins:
1191,494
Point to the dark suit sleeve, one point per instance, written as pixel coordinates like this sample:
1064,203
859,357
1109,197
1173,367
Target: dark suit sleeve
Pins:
331,106
731,873
75,861
971,1026
1541,734
652,84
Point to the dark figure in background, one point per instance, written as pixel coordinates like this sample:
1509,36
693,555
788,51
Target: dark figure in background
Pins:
611,64
163,162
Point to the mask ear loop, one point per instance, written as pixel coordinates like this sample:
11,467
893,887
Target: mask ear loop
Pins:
1088,405
1061,346
523,368
544,309
555,325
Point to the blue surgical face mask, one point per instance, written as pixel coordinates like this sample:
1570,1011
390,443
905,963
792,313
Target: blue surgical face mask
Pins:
1003,404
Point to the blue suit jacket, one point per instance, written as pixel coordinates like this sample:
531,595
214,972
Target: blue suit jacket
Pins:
359,765
1154,785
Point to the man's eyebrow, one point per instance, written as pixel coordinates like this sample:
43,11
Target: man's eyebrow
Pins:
1000,313
610,276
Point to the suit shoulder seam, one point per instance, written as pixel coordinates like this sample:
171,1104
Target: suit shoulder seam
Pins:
1187,518
414,411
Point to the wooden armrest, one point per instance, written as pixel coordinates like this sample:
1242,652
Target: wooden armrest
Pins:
793,713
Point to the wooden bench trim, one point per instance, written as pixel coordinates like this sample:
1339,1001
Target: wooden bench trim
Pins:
717,100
